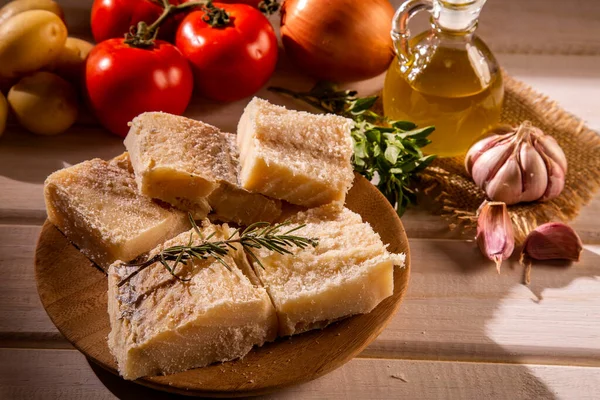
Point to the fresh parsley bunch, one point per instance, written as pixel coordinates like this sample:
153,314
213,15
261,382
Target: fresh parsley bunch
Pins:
388,153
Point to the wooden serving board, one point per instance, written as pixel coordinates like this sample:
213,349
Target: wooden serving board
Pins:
74,293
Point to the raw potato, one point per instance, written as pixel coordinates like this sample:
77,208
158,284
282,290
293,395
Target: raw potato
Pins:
44,103
18,6
3,113
29,41
70,62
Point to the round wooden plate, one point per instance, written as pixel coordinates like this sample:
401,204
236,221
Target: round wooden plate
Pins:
74,293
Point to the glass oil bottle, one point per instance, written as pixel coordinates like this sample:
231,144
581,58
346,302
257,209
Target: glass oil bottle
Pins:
446,76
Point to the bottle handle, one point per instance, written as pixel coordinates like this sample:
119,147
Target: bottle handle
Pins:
400,33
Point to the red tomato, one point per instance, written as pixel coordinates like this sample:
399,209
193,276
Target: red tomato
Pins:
230,62
123,81
113,18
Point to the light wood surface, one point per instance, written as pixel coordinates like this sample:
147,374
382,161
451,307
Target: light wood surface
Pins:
73,292
427,326
361,378
22,186
512,342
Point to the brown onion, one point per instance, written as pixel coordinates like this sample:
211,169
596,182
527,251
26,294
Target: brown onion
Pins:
338,40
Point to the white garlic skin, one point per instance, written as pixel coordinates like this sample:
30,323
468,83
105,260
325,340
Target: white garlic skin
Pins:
506,184
535,173
549,146
523,165
479,148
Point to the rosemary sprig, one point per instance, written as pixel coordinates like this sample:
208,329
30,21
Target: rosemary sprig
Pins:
256,236
389,151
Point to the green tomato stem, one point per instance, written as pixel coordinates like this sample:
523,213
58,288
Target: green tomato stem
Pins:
143,35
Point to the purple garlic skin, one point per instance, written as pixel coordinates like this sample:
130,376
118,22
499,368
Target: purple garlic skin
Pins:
495,236
553,241
519,166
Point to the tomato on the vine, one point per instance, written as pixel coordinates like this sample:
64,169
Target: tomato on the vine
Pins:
233,61
113,18
123,81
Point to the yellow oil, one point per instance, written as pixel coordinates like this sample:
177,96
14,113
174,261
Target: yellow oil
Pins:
457,88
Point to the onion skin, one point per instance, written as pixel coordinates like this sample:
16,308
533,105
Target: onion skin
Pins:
338,40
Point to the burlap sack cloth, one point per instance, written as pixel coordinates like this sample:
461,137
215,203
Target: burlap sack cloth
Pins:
460,198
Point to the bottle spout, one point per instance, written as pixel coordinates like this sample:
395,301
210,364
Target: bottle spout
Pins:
457,15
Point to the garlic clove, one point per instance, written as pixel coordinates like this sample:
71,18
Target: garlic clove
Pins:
479,148
553,241
488,164
550,147
556,179
534,173
495,236
507,184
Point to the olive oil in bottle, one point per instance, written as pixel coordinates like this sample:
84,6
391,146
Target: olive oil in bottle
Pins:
446,77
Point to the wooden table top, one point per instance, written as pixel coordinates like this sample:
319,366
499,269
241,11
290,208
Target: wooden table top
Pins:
462,330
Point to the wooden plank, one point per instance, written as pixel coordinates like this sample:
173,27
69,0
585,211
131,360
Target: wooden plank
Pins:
50,374
572,81
26,160
456,308
23,320
509,26
518,27
522,27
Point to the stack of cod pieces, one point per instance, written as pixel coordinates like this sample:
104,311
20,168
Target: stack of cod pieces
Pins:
281,165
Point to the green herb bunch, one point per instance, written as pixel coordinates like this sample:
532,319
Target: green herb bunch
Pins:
256,236
385,152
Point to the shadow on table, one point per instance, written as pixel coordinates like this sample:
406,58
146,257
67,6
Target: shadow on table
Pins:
127,390
123,389
31,158
466,259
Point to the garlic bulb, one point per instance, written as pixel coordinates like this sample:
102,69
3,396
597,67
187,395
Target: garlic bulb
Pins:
518,165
